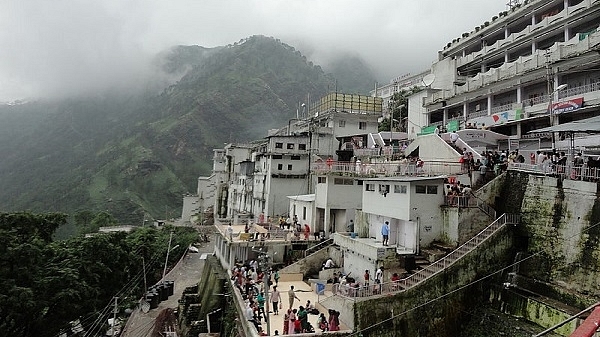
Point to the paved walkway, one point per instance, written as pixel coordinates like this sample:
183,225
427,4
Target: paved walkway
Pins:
304,293
186,273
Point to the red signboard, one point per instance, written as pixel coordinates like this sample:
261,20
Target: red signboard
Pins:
567,106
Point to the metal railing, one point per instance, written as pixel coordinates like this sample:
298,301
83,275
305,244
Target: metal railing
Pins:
389,169
569,171
469,201
318,247
353,292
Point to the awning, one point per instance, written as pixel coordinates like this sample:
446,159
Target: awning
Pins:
589,125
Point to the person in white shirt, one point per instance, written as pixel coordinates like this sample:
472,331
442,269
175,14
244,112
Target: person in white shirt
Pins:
230,232
329,264
454,137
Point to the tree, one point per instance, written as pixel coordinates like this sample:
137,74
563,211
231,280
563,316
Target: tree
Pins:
24,240
398,110
102,219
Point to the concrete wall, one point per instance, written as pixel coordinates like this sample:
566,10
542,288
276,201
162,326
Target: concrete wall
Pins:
312,264
345,307
561,220
512,302
442,318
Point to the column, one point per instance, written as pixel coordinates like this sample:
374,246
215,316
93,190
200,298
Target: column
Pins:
466,109
519,93
533,46
483,67
567,33
519,130
490,101
327,225
445,116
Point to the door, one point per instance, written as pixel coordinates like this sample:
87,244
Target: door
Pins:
407,236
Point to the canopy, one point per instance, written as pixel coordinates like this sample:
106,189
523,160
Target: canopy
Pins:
589,125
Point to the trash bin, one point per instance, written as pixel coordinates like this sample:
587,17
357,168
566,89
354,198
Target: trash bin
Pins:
320,288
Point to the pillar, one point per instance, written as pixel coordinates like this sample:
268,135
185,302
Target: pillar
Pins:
490,100
445,116
519,93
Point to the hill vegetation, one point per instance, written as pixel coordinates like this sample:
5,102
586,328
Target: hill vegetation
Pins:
134,155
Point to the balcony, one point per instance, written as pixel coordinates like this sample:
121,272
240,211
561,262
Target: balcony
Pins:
388,169
367,247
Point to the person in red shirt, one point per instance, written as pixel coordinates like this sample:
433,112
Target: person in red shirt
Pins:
306,231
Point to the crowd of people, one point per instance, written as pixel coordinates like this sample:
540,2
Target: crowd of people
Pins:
252,284
299,230
372,283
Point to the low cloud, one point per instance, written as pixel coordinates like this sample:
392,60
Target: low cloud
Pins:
73,47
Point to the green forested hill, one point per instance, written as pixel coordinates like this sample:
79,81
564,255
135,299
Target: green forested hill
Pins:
135,155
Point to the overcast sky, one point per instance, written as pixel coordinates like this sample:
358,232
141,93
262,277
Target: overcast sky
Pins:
62,47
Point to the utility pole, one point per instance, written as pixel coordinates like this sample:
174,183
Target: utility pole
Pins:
114,317
167,258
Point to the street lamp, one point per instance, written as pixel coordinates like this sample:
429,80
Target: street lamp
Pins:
553,119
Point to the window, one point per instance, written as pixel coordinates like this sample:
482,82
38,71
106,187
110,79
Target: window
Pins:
304,213
321,180
280,166
384,188
279,145
370,187
295,157
277,156
342,181
289,167
362,125
400,189
301,146
342,124
426,189
359,183
290,146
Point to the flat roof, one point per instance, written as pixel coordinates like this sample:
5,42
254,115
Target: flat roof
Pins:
304,197
405,179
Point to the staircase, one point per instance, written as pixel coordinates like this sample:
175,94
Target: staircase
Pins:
318,247
458,253
363,293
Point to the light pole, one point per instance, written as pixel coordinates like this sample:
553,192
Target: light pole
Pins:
553,118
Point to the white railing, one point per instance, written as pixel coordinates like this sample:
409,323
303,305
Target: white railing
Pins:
569,172
356,293
389,169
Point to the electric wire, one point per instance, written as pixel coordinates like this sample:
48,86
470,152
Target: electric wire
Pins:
359,332
128,288
130,285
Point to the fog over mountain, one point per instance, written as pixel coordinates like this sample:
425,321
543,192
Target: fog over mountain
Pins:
66,48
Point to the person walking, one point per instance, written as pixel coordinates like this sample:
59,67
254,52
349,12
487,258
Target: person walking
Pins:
275,298
292,296
385,232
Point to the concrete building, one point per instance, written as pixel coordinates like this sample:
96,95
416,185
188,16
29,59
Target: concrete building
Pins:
527,68
411,205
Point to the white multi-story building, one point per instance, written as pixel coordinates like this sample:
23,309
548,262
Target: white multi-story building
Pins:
504,75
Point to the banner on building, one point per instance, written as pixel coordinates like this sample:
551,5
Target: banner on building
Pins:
452,126
497,118
567,106
428,130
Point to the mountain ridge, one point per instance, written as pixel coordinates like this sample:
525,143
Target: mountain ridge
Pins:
136,155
